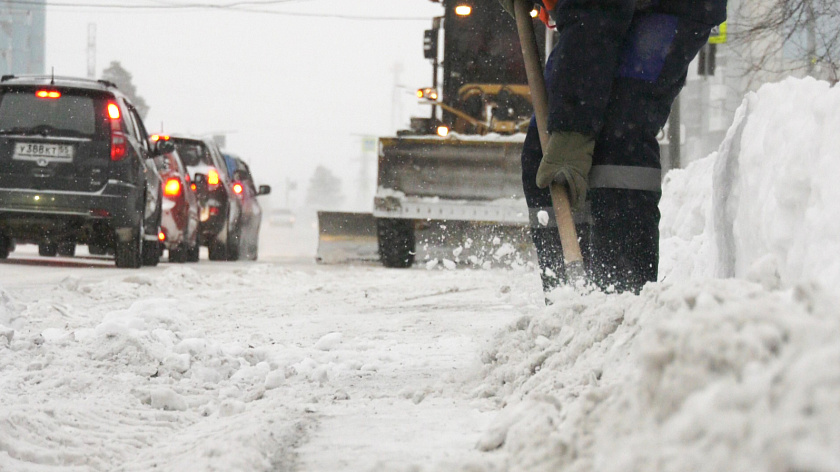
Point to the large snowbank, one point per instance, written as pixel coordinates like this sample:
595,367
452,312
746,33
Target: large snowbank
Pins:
698,373
767,205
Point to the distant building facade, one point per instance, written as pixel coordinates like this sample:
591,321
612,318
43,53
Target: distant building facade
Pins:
22,37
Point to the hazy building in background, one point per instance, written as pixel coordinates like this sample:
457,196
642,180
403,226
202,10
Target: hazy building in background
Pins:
22,37
743,60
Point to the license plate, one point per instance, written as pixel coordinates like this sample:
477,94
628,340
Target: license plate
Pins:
43,152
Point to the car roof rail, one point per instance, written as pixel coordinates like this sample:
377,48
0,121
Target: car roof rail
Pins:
102,82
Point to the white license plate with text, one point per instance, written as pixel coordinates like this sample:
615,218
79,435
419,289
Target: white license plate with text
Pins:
43,152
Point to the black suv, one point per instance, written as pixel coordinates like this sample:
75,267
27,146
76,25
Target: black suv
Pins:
219,206
76,168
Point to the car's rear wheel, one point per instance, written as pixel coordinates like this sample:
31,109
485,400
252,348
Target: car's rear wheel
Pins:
178,254
253,252
193,252
67,249
217,251
151,253
128,254
234,240
48,249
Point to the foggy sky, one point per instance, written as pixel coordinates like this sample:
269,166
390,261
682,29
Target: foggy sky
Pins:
290,92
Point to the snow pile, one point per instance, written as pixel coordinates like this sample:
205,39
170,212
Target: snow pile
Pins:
695,373
716,377
77,379
765,207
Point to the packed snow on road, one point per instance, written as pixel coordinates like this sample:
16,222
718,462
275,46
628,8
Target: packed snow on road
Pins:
730,362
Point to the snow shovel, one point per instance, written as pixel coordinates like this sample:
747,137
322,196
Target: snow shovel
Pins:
560,199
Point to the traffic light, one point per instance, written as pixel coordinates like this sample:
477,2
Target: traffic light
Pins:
430,43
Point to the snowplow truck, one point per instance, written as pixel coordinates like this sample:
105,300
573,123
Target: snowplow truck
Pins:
449,189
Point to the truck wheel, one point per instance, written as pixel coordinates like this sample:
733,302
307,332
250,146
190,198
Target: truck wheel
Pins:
97,250
48,249
128,255
396,242
5,247
67,249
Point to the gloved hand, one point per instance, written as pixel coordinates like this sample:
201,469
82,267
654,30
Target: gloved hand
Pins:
508,6
567,160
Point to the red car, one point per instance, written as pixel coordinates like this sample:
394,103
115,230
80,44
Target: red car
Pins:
179,222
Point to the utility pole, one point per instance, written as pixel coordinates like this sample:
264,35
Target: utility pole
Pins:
812,37
396,100
91,51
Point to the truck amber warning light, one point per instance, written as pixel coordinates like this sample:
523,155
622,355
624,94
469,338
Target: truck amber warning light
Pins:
463,10
427,93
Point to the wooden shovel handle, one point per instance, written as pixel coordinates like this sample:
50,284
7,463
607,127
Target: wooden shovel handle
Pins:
539,97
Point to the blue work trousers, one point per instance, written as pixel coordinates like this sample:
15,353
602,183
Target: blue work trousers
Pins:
619,233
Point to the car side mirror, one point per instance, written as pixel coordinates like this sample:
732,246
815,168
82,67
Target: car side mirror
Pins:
264,190
162,147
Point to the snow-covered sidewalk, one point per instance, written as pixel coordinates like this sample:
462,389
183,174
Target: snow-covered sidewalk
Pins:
247,367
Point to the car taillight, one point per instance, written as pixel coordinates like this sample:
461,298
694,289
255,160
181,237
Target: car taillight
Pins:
119,145
212,179
172,188
237,188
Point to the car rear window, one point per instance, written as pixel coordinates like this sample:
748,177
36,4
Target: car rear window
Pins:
70,115
193,153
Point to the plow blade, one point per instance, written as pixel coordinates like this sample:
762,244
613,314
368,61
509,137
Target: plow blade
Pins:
346,237
451,169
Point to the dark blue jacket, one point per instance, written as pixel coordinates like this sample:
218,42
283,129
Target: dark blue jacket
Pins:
593,38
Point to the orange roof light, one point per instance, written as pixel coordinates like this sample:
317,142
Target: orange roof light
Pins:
48,94
113,111
162,236
158,137
237,188
212,177
463,10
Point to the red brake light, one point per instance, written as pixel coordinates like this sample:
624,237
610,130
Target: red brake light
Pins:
161,236
119,145
237,188
48,94
212,177
113,111
172,188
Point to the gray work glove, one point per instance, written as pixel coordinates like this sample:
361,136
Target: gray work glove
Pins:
567,160
508,6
